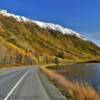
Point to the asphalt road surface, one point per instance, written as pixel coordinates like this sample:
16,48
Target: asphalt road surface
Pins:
27,83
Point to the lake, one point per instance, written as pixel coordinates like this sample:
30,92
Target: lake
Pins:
86,73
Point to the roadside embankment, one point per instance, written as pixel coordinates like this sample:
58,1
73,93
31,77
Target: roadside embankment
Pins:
73,91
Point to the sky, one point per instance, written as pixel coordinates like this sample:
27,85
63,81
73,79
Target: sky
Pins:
83,16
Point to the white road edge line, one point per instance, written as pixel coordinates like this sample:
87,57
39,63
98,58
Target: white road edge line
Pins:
16,85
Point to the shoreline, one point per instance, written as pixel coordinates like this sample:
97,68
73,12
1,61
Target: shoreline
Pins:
71,90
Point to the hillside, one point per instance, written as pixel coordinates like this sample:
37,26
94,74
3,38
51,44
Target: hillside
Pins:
26,42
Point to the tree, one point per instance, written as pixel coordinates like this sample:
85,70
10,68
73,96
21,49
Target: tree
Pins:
56,60
60,54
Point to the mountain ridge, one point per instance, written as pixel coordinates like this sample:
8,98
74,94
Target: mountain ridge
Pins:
52,26
27,43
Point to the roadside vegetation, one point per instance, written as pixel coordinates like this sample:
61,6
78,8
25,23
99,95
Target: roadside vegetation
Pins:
73,91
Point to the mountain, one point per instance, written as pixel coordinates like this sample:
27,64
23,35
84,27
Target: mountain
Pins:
25,41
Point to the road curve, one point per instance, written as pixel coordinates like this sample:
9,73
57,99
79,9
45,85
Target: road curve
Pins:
26,83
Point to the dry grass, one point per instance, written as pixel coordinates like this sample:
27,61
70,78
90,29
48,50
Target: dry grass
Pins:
73,91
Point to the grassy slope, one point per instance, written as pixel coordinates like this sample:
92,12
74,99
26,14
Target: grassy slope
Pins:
42,45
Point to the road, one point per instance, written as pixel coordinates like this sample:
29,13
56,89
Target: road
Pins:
26,83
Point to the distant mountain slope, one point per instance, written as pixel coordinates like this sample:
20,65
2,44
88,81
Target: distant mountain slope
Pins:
30,42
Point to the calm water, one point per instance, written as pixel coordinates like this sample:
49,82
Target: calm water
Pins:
82,72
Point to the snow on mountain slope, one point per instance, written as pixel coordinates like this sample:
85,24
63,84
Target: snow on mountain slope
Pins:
55,27
17,17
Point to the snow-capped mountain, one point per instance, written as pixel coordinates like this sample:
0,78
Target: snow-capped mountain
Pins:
56,27
52,26
22,42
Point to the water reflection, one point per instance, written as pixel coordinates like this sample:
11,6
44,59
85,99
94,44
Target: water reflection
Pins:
82,72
